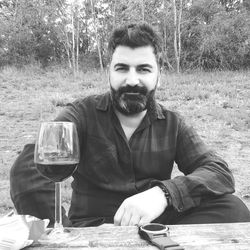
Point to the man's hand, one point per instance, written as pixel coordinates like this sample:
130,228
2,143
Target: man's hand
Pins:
141,208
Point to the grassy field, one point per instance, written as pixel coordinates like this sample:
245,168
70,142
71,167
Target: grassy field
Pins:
217,104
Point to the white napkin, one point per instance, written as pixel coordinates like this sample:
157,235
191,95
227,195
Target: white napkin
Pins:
19,231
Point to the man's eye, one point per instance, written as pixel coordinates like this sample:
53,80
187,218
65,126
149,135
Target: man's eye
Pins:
121,69
144,70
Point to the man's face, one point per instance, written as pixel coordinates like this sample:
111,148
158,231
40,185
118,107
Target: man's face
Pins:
133,77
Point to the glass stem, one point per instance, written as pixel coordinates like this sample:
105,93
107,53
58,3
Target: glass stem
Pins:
58,206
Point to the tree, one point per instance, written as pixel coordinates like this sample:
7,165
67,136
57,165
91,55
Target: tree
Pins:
177,11
143,10
97,34
196,34
215,38
166,32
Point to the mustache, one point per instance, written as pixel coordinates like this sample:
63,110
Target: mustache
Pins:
133,89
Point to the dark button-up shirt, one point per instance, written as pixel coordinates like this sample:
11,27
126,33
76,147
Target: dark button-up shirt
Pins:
112,168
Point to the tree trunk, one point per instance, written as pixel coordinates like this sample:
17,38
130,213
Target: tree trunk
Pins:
143,10
164,49
86,27
67,47
177,33
15,12
114,11
96,35
66,42
77,40
73,42
68,53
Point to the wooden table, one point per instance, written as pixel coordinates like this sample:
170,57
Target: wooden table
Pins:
206,237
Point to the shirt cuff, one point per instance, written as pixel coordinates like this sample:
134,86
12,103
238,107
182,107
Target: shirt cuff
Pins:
176,197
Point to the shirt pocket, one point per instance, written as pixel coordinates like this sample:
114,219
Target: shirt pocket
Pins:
99,160
156,164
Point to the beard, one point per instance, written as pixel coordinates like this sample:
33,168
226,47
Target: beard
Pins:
130,100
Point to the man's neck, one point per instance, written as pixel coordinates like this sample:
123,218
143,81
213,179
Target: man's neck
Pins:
131,122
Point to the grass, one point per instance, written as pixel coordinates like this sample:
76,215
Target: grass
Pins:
217,104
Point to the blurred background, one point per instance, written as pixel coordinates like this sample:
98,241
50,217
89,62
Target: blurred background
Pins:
197,34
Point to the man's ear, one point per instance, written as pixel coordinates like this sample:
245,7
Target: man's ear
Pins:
158,84
107,69
107,73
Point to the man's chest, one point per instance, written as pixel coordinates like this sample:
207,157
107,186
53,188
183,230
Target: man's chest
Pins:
128,131
124,155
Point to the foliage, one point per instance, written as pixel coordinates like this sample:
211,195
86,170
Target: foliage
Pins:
213,34
216,38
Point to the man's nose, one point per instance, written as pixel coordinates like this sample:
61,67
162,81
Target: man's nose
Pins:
132,78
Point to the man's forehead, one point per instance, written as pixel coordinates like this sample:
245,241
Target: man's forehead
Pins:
125,54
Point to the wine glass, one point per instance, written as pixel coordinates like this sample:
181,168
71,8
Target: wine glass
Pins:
56,157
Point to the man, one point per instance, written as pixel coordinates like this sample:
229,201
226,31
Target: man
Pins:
128,145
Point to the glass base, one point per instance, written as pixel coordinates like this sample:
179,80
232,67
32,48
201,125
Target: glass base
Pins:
58,236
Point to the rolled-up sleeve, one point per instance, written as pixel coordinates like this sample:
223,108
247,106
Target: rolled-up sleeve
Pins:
205,173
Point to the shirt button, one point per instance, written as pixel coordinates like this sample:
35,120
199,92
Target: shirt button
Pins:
180,208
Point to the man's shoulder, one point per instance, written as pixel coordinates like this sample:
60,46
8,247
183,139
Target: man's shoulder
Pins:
91,100
94,98
166,114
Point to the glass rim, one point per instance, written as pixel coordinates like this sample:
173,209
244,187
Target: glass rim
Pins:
57,122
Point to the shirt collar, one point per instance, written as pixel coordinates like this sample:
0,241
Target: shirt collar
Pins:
104,102
158,110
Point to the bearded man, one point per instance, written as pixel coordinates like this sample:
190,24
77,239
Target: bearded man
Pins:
129,143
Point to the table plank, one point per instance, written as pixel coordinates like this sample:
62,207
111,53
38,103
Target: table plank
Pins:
196,237
212,236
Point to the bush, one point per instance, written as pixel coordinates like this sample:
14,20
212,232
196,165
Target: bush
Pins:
214,38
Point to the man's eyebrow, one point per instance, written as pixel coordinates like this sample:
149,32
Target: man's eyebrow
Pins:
120,65
145,65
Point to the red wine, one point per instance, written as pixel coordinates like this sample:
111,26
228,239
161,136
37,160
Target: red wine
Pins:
57,172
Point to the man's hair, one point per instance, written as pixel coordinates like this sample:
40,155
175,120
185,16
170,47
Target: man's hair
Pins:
134,36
